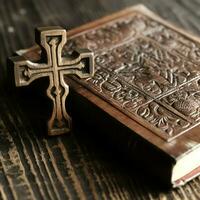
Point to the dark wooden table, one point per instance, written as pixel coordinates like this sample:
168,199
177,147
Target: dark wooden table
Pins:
33,166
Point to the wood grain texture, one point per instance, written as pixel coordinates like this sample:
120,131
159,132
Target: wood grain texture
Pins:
33,166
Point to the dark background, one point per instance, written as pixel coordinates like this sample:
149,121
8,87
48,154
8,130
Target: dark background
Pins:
33,166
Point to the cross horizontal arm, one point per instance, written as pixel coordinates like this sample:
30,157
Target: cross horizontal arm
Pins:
80,63
27,71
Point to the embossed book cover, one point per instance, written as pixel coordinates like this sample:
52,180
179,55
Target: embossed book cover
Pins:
147,78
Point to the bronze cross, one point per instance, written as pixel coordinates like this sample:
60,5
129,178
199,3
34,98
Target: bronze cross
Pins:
53,65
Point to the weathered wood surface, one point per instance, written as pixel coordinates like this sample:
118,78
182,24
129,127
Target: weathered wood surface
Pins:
33,166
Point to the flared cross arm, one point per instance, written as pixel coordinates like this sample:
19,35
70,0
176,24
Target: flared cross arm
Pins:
53,65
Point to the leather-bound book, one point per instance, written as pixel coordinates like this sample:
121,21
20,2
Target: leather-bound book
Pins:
145,93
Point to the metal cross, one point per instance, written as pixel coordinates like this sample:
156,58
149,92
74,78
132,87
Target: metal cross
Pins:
53,65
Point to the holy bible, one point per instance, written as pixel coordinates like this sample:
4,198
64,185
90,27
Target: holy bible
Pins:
145,91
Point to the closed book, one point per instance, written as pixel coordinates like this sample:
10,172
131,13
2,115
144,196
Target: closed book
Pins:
145,92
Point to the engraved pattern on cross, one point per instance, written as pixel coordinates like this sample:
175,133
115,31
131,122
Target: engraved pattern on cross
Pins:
55,66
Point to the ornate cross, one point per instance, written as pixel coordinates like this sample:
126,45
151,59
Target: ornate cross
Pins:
53,65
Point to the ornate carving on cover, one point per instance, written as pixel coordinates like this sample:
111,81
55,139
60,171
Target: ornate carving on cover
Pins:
162,119
147,66
186,101
138,106
119,92
173,40
108,36
147,70
137,25
53,65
